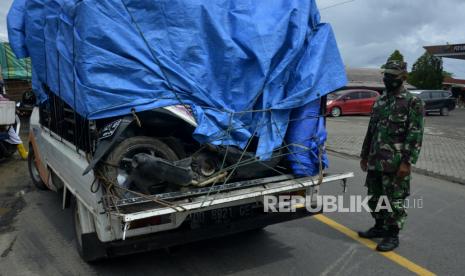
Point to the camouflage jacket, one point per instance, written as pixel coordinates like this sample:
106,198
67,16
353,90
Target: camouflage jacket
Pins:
395,132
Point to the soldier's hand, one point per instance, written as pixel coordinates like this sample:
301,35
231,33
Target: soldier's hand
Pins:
404,170
364,165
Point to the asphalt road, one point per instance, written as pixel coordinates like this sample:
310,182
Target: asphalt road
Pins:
40,239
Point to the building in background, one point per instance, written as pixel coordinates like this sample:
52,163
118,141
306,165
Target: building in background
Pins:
367,78
16,73
455,51
457,87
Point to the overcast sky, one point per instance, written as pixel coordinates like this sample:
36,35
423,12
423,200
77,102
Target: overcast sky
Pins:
368,31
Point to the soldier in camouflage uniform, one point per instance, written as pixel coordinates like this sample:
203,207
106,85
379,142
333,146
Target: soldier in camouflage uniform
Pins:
392,144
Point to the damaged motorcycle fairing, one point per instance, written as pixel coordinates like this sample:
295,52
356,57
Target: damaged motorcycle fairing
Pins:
110,133
109,136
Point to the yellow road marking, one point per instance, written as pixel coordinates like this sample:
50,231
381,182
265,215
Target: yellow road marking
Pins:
372,245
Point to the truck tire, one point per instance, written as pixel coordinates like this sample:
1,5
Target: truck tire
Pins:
89,247
444,111
130,147
77,226
34,171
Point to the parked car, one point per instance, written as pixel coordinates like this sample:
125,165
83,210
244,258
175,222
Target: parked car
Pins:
346,102
436,100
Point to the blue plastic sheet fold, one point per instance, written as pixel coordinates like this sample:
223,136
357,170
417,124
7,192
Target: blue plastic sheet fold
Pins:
243,66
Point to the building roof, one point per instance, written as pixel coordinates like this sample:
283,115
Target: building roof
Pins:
454,82
370,78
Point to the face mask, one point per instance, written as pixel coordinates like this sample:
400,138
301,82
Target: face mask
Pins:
392,84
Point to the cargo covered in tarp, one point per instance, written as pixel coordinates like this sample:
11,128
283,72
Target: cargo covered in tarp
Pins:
242,66
12,67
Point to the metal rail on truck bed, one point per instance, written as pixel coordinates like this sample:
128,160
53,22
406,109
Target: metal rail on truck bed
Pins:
205,198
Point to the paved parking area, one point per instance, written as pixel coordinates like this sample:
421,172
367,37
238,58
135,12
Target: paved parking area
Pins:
443,152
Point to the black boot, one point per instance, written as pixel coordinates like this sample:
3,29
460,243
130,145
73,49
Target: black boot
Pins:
391,241
374,232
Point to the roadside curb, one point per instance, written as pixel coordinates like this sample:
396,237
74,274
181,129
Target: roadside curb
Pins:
414,169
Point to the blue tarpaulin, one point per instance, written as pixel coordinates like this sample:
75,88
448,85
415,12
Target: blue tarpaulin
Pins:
224,58
306,136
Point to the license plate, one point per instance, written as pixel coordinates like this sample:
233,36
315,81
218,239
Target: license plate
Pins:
223,215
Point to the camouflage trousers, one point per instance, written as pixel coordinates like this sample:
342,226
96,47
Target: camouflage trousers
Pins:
396,190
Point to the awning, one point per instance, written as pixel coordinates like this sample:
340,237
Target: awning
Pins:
456,51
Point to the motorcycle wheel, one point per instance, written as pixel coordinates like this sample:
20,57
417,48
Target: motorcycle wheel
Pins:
128,149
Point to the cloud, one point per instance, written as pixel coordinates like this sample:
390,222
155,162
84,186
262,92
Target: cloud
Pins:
368,31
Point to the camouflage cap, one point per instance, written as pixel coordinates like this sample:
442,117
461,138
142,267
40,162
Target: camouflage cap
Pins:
395,67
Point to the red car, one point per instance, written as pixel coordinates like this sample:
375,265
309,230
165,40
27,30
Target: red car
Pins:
347,102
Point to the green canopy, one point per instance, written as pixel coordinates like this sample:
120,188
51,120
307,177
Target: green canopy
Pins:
11,67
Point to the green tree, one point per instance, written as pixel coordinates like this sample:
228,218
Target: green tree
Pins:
427,72
396,55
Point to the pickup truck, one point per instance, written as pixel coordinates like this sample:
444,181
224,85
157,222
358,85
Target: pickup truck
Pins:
166,122
113,217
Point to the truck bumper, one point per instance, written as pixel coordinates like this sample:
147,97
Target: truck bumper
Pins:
184,234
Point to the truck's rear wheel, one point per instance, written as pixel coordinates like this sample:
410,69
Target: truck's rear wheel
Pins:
77,227
34,170
88,245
